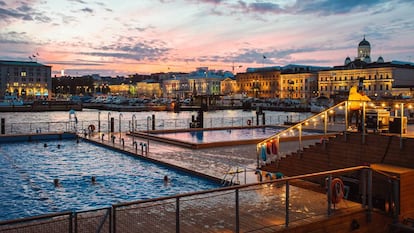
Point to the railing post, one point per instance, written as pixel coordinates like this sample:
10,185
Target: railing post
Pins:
396,194
99,121
364,177
300,137
111,211
287,204
369,179
177,215
325,123
346,115
73,219
402,126
363,122
114,219
237,212
329,190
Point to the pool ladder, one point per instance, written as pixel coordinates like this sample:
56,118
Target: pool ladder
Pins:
230,175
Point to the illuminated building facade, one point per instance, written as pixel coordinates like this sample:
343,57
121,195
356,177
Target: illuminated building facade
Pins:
200,82
229,86
25,80
148,89
298,85
375,79
259,83
287,82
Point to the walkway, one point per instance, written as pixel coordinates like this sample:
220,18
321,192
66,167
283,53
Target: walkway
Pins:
262,208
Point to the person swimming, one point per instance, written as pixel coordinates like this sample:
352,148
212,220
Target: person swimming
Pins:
166,180
56,182
93,179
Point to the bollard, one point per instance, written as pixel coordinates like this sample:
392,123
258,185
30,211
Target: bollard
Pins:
153,121
263,119
103,135
142,148
113,139
3,126
123,143
146,149
112,124
134,143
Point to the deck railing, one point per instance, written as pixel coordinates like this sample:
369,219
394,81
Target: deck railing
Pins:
272,204
135,124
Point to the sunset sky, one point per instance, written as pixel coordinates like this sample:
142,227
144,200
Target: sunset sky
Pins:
119,37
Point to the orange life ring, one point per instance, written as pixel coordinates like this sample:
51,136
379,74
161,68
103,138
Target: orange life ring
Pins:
337,188
91,127
249,122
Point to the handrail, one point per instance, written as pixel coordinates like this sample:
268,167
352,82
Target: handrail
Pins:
176,198
302,122
228,188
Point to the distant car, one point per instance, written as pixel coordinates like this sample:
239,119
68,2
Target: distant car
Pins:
187,101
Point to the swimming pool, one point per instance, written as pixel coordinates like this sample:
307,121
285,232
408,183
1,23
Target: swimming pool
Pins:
225,135
28,169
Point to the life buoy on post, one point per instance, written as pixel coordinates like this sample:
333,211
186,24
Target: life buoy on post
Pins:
337,188
249,122
91,128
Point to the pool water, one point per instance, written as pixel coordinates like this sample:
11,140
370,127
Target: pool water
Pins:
208,136
28,170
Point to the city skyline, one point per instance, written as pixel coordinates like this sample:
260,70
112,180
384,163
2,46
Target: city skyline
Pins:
120,38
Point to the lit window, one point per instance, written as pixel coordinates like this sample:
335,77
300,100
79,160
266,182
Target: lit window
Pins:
23,74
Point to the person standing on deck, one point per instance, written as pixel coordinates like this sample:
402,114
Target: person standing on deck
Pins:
356,100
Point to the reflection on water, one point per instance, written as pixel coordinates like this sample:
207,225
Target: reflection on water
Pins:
208,136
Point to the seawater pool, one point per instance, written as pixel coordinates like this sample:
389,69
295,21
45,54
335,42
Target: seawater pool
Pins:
27,171
235,134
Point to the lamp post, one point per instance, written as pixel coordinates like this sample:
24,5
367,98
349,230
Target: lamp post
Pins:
120,117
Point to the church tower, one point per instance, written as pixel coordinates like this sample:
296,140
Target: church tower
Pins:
364,51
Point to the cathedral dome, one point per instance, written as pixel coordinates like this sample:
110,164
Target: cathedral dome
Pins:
347,60
364,43
380,59
367,59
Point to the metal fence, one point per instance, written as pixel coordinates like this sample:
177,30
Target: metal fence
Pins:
125,125
273,204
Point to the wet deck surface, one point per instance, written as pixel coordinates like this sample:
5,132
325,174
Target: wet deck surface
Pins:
262,208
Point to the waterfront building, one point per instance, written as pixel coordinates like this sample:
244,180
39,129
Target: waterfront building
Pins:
229,87
176,87
25,80
206,82
298,85
299,81
148,88
202,81
376,79
259,82
287,82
